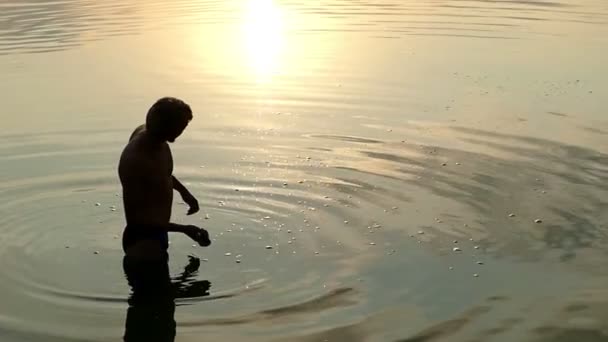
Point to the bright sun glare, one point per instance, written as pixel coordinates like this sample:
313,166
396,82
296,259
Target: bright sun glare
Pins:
264,35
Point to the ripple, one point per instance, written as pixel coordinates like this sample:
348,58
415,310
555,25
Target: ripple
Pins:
335,218
47,26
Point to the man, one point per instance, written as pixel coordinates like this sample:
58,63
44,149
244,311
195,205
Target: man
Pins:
146,175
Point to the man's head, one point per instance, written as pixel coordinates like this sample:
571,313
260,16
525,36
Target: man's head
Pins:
167,118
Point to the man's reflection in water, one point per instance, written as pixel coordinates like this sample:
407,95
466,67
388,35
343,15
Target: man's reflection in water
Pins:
151,313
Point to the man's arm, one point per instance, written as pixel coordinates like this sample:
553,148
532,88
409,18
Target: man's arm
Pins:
179,187
197,234
186,195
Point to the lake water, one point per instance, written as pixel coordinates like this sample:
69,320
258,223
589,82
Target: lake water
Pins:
363,140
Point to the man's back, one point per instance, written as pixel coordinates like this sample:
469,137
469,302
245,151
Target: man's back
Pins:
145,170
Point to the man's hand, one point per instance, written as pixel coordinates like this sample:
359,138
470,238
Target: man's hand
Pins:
186,196
192,202
197,234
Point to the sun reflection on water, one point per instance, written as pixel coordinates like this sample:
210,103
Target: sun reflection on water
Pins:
263,34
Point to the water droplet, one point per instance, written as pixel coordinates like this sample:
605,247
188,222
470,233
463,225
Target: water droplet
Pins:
456,249
205,260
372,243
238,261
538,221
480,263
290,242
193,245
476,275
451,268
476,247
268,247
444,164
511,215
97,204
316,252
455,241
420,232
345,222
228,254
96,252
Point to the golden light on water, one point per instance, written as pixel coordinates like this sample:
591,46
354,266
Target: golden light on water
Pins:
259,46
263,33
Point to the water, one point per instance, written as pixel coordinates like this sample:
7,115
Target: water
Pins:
379,148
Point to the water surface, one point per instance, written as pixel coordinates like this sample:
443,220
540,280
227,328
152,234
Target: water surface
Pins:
362,140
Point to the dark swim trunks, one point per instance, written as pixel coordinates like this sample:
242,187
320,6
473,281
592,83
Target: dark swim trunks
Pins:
135,233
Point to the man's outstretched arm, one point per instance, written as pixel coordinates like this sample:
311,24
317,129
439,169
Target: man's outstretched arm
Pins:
197,234
186,196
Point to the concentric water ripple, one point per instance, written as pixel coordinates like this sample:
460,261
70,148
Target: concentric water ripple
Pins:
345,213
368,170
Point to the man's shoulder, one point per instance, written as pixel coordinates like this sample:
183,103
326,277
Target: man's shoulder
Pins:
137,131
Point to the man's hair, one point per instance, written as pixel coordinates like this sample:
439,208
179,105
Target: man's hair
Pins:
165,112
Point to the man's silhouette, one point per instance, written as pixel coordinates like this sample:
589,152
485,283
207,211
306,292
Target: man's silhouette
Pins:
146,175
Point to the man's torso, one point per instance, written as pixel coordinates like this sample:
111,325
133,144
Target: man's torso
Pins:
145,172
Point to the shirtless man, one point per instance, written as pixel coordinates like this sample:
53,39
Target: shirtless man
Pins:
146,175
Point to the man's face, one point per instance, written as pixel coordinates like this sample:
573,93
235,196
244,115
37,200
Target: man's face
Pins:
176,129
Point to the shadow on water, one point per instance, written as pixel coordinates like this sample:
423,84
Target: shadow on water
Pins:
151,312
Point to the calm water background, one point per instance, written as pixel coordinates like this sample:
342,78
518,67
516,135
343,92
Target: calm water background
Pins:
360,139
